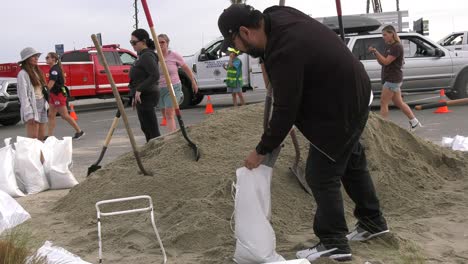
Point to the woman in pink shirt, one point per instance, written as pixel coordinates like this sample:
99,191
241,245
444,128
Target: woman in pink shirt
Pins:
173,62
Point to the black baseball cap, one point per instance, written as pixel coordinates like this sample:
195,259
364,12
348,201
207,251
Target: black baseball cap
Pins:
234,17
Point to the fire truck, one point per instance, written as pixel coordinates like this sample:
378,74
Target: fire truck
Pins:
84,76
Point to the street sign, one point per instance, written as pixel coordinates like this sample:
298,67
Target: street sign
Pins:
59,49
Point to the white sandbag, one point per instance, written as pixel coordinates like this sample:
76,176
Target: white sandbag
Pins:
7,170
460,143
447,142
29,170
58,160
256,241
296,261
11,212
58,255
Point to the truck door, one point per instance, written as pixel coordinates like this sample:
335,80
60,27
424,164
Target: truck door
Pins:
210,70
455,41
102,83
373,68
424,69
126,62
79,73
256,74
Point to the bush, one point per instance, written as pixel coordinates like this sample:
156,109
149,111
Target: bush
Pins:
16,248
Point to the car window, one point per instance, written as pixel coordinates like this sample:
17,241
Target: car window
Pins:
415,47
361,48
214,52
110,58
453,40
76,56
126,58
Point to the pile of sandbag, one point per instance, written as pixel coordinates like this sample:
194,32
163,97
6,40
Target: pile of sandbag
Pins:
459,143
30,166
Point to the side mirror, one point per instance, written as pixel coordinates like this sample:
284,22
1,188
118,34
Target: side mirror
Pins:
203,51
203,57
439,53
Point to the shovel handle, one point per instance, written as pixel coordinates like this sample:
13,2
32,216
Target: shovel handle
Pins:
119,104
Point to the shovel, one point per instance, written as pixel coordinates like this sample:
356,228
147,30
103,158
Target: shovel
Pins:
95,166
162,62
119,105
296,169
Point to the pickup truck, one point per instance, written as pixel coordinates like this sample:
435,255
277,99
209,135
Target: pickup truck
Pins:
455,41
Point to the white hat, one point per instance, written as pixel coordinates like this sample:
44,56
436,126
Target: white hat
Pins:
27,53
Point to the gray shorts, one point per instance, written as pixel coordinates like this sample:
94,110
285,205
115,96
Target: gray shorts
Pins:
41,110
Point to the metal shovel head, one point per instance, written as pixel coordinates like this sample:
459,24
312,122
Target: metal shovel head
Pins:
92,169
299,172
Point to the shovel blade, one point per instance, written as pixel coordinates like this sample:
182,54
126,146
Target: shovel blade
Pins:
92,169
299,172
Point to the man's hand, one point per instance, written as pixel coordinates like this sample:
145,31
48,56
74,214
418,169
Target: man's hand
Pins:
253,160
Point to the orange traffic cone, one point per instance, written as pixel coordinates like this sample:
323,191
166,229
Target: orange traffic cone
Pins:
442,109
163,122
72,112
209,107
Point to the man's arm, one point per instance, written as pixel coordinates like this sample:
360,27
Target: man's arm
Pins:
287,81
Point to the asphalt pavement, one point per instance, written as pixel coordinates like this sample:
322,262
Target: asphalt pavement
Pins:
96,115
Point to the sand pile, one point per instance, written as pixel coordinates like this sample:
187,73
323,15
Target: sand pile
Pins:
194,205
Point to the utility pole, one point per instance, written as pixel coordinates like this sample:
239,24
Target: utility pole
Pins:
135,16
282,2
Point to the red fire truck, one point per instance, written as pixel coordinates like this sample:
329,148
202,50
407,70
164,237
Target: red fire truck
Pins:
84,74
85,77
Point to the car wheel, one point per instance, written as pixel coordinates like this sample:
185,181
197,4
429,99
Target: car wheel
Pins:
461,87
188,94
10,121
197,98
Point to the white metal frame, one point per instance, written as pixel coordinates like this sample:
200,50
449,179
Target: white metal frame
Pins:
139,210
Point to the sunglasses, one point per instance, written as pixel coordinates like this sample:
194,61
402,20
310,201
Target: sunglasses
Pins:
134,42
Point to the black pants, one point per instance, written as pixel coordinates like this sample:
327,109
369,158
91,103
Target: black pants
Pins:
325,176
147,115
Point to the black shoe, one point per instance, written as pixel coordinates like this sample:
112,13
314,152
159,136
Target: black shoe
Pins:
79,135
320,251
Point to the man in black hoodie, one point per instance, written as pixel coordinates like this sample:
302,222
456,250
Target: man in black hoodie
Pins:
322,89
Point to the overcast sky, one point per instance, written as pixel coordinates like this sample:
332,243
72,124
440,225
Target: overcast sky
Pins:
189,23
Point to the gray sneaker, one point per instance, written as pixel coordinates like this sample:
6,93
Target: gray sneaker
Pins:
360,234
79,135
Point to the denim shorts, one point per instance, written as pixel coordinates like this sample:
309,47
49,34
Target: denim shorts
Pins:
394,87
165,97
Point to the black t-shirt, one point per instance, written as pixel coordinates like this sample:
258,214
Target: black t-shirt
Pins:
392,72
56,74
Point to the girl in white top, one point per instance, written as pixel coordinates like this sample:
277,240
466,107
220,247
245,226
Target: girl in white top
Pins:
33,103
